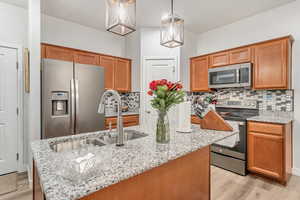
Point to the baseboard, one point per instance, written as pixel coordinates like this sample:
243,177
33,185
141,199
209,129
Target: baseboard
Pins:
296,171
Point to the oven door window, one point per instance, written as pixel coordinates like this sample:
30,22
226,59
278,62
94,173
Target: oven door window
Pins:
244,75
223,77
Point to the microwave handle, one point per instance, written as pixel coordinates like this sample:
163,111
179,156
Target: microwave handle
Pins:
238,76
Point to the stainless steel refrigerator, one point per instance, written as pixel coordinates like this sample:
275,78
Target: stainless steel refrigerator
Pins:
70,97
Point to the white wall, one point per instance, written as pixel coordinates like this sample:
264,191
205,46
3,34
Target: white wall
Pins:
133,51
33,99
274,23
13,23
189,49
150,44
15,30
60,32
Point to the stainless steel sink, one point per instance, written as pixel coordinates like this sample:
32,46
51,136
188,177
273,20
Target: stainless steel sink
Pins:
128,135
75,144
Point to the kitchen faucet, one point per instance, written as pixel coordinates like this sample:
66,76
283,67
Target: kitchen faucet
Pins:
120,138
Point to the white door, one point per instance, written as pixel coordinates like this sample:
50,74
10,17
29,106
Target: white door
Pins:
157,69
8,110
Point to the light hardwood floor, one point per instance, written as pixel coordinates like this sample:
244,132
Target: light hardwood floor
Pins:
24,192
230,186
225,186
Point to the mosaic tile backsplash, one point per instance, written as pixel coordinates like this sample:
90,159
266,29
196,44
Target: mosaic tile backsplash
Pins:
268,100
131,99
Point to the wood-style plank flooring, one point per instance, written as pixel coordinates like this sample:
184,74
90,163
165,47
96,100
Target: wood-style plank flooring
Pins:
24,191
225,186
230,186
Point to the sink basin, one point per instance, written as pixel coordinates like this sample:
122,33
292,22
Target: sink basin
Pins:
128,135
75,144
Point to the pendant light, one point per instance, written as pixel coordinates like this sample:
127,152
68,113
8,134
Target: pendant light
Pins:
172,30
120,16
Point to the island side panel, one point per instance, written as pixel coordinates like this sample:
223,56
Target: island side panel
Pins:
187,177
37,192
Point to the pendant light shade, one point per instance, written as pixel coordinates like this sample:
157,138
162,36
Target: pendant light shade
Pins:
120,16
172,30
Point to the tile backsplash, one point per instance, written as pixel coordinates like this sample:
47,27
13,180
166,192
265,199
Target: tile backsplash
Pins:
131,99
268,100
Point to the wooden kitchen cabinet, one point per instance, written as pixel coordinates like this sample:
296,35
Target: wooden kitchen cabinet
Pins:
270,150
219,59
109,66
58,53
128,120
199,74
195,120
86,58
122,79
37,192
240,55
117,73
272,64
117,70
271,61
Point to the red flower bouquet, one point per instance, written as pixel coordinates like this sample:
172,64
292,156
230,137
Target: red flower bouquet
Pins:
166,94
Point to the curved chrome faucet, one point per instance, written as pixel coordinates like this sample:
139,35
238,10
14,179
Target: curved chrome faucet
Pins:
120,139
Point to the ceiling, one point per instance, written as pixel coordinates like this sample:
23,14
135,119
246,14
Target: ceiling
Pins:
199,15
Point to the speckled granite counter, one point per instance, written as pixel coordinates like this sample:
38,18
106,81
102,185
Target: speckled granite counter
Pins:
274,117
119,163
114,114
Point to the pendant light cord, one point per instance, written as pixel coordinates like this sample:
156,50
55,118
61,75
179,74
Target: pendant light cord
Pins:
172,7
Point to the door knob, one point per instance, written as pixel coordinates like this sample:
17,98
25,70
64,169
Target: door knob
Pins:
148,111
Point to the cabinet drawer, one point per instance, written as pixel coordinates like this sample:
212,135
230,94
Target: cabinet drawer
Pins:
275,129
130,120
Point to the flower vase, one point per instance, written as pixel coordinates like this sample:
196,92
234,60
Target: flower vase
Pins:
162,128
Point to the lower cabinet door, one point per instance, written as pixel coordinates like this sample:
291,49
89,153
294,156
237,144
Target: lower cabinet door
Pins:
265,154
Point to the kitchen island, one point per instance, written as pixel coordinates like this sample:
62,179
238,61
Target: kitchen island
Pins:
142,169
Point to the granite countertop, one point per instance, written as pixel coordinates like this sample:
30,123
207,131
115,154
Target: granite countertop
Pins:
130,112
118,163
274,117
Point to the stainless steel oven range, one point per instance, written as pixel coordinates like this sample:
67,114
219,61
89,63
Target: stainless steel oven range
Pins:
231,153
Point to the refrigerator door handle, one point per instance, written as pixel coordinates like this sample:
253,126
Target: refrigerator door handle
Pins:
72,110
77,107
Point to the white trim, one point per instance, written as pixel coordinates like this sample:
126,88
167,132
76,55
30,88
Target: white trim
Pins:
21,136
144,86
296,171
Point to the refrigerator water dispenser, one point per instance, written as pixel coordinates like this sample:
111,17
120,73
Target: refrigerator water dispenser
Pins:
60,102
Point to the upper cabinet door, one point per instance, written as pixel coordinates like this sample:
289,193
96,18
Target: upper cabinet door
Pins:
241,55
219,59
123,75
59,53
86,58
109,65
199,74
271,65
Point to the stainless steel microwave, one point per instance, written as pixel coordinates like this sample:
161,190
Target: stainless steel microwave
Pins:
238,75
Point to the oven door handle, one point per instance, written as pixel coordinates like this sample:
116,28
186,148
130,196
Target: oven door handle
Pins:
238,75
